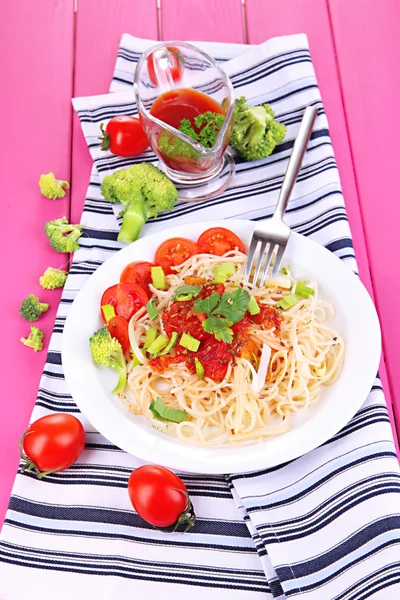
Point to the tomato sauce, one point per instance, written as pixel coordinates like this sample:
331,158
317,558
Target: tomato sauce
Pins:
183,103
171,107
214,355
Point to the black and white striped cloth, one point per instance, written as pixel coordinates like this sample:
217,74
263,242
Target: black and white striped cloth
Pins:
325,526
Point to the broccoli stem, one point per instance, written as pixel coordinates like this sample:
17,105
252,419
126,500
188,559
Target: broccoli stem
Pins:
133,221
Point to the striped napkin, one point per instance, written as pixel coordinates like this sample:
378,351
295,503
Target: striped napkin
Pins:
325,526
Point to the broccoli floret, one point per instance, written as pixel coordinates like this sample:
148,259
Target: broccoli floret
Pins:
144,191
53,279
32,308
107,351
51,187
63,236
255,132
34,339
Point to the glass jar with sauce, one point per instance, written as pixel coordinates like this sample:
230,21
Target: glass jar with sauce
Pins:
175,81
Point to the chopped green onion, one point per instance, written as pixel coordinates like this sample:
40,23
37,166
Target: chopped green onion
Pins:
171,343
285,271
223,272
136,361
108,311
158,278
187,292
162,412
151,335
159,343
303,290
189,342
253,307
289,301
151,309
199,368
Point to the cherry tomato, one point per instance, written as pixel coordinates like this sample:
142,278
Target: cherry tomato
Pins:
219,240
126,298
174,252
175,69
52,443
138,272
160,497
124,136
118,328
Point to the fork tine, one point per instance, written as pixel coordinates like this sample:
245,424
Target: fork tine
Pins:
267,263
250,256
259,261
278,260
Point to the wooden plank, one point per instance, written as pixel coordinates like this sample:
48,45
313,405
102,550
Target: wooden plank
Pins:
265,20
368,50
36,46
99,27
205,20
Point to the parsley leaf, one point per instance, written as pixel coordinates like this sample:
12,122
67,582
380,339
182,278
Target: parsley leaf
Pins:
220,327
208,304
233,305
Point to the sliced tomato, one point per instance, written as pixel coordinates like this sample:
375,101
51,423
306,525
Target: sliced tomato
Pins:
174,252
138,272
126,298
118,328
219,241
175,69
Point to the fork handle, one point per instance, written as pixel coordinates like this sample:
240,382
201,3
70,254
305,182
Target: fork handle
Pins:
295,160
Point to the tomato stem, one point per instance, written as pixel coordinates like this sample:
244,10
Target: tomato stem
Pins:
104,138
188,516
29,464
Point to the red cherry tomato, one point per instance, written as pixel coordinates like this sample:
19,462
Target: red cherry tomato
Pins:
124,136
160,497
219,240
53,443
175,69
118,328
138,272
174,252
126,298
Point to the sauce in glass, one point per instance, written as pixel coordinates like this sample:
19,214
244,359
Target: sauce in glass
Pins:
173,106
183,103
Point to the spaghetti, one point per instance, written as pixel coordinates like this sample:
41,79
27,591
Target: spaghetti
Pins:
224,405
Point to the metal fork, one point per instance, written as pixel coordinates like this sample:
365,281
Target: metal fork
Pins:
273,234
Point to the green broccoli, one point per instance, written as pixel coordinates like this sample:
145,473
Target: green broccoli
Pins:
107,351
255,132
63,236
144,191
51,187
34,339
53,278
32,308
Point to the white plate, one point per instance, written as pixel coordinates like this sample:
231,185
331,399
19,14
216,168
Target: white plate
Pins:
91,386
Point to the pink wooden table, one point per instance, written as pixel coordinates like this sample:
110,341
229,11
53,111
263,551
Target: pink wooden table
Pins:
51,52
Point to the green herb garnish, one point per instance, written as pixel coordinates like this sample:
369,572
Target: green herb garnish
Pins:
223,311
